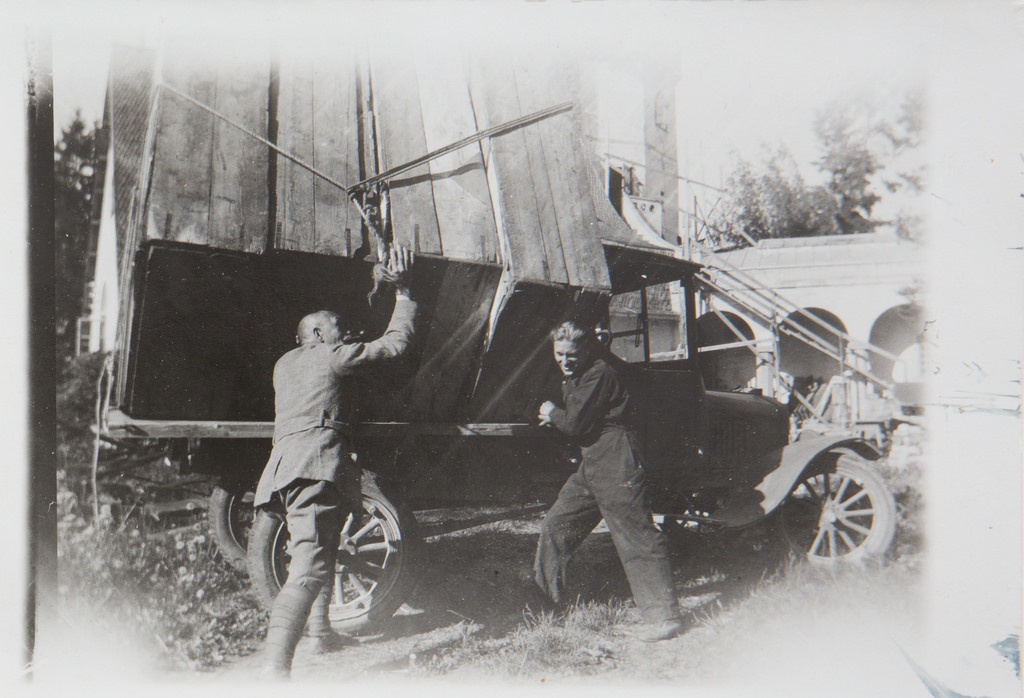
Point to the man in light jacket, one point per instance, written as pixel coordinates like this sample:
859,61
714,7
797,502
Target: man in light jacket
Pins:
311,473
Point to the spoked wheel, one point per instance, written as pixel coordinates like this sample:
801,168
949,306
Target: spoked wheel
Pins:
373,572
231,516
840,511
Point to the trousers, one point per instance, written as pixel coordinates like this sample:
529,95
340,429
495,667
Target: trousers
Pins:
616,491
313,514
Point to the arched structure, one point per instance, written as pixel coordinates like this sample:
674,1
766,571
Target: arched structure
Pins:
801,360
896,330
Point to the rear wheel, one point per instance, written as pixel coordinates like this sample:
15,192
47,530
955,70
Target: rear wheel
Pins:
373,574
231,516
839,510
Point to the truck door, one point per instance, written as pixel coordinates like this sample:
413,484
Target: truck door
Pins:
648,332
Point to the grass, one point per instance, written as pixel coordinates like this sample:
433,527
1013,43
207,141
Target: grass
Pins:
796,608
755,606
579,640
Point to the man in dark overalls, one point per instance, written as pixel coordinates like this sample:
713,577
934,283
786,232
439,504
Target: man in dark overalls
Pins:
311,473
609,484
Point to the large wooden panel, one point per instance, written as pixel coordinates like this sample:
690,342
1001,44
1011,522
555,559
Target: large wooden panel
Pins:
209,181
238,190
336,223
559,141
461,197
524,196
318,123
209,326
179,188
401,138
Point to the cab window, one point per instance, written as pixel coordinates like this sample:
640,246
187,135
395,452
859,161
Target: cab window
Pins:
663,325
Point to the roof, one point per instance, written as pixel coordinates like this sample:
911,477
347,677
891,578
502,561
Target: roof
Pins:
640,257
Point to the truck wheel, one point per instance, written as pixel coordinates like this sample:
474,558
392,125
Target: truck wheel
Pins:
230,515
839,511
374,567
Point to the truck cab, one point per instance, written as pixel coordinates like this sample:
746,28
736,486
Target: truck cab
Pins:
697,443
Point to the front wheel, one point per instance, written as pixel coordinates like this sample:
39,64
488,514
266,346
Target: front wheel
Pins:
839,510
373,573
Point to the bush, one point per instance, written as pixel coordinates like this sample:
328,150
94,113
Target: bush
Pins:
903,473
171,587
76,410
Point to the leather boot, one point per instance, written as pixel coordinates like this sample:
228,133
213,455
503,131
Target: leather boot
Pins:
287,619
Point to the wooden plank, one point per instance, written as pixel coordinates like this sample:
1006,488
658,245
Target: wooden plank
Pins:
560,144
528,224
122,426
463,203
179,196
396,96
294,226
454,342
238,191
336,222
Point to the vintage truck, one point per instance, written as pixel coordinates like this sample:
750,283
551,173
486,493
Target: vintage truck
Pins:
249,192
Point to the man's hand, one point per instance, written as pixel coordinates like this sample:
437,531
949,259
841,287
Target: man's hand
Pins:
400,261
394,271
544,413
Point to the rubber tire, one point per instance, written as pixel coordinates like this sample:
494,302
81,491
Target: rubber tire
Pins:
858,471
267,564
230,516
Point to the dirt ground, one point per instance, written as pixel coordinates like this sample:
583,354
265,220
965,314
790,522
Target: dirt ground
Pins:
474,580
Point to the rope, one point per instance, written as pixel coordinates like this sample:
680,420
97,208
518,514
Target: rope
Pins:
102,399
468,140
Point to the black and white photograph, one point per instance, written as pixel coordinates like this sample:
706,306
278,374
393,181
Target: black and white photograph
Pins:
515,347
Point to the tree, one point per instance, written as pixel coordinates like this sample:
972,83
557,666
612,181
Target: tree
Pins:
773,201
849,166
74,159
870,160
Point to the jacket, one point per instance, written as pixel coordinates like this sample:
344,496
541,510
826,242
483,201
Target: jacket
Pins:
598,414
313,405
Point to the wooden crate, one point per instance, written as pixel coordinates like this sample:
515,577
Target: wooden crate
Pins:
230,244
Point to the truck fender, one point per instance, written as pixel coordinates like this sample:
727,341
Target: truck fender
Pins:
782,468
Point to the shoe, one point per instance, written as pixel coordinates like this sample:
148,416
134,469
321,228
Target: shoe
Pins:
409,610
331,642
656,632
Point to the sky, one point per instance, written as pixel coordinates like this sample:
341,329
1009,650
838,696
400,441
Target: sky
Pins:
750,76
737,89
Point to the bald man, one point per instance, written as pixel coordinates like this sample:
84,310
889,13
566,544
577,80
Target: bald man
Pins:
311,474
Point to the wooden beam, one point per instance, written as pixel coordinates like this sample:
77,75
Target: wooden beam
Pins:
120,425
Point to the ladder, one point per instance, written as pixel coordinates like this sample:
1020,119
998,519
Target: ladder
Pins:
731,286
